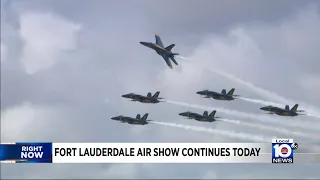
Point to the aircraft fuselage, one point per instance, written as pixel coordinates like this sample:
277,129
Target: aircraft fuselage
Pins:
142,99
160,50
130,120
289,113
279,111
215,95
197,117
222,97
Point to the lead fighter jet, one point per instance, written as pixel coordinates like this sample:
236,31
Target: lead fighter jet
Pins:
144,99
133,121
198,117
165,52
218,96
283,112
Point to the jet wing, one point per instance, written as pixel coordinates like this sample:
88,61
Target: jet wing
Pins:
162,50
124,120
143,97
168,62
138,97
279,109
212,93
131,120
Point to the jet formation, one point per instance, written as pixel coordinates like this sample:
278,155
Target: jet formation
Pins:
283,112
167,54
200,117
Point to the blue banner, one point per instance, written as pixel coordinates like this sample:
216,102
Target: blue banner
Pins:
26,152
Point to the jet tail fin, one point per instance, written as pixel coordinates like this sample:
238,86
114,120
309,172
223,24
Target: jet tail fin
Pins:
223,91
138,116
231,92
213,113
144,117
205,113
158,40
170,47
287,108
173,60
295,107
149,94
156,95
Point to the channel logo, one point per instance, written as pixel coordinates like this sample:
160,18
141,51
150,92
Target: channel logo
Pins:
282,150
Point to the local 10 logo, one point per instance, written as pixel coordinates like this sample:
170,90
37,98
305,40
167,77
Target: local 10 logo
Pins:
282,150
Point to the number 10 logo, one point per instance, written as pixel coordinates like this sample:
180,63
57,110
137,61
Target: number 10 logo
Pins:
282,151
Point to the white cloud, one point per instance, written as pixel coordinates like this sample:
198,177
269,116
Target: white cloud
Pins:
311,83
45,37
25,121
4,52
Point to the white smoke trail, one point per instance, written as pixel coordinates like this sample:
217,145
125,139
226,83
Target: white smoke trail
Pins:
271,128
230,121
257,101
181,57
230,134
258,90
312,115
249,85
263,92
275,129
268,94
245,115
262,102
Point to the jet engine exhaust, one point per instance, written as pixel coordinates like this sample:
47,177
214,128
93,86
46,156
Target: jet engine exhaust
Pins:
256,117
230,134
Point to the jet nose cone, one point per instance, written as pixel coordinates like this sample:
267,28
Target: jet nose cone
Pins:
126,96
144,43
263,108
115,118
199,92
180,114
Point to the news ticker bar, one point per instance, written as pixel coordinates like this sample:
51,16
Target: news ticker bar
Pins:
275,152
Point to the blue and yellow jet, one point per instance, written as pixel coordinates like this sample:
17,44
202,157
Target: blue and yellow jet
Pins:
283,112
144,99
133,121
219,96
165,52
198,117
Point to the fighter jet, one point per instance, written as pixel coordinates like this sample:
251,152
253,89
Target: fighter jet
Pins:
283,112
165,52
144,99
218,96
133,121
198,117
